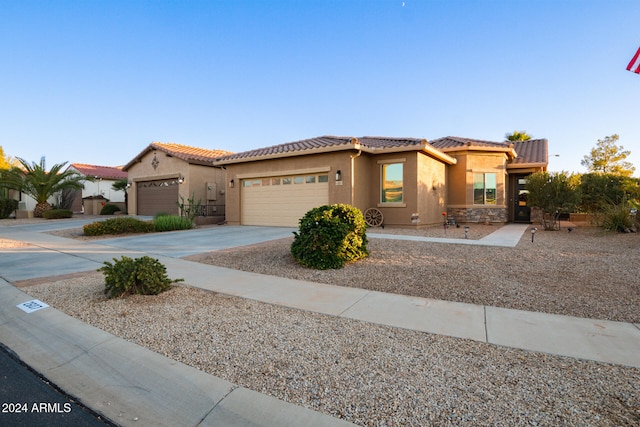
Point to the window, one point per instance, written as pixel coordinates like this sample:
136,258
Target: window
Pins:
275,181
392,183
310,179
323,178
298,179
286,181
484,189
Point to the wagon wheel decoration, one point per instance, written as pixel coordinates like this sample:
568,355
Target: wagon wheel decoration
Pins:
373,217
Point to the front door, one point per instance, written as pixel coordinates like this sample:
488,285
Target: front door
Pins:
522,211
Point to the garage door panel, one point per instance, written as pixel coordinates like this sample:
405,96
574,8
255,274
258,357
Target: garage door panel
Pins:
157,196
280,205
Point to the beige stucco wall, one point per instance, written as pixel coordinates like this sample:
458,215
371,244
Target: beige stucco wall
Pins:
195,177
360,184
460,186
432,190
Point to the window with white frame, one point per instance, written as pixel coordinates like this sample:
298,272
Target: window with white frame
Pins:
485,188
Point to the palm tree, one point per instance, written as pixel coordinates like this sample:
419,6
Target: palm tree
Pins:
33,180
518,135
122,185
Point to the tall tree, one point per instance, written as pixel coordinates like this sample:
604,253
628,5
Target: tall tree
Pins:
517,135
5,161
34,180
609,158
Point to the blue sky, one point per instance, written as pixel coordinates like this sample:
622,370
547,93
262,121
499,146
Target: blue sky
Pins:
97,81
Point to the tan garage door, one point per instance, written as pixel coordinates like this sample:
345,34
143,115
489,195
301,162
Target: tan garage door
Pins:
282,200
157,196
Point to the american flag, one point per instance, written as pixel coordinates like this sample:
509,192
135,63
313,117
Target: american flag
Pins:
634,65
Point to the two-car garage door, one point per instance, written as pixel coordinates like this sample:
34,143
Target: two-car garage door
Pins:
282,200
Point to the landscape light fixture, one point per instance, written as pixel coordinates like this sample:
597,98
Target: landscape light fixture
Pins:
533,233
466,231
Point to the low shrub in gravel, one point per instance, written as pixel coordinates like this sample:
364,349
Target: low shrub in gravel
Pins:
330,236
140,276
57,214
172,223
616,218
109,209
120,225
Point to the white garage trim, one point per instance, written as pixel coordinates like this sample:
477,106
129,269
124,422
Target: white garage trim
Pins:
281,200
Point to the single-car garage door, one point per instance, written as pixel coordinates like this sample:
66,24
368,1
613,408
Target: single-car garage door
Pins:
282,200
157,196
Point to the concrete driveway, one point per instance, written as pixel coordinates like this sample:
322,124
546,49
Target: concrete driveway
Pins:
49,255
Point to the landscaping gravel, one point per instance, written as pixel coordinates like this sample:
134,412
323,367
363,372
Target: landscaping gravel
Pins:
383,376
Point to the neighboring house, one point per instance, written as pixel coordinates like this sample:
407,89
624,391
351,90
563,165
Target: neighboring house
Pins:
410,181
103,178
164,175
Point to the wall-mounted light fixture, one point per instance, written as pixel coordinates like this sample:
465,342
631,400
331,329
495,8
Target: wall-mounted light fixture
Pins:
231,183
338,175
128,184
180,179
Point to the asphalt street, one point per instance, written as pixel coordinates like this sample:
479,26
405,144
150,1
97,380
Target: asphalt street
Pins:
29,400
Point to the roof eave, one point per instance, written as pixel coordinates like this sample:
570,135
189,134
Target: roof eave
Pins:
527,165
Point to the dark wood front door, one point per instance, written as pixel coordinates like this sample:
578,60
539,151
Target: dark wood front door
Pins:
522,211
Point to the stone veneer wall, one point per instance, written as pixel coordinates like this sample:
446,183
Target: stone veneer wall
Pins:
478,215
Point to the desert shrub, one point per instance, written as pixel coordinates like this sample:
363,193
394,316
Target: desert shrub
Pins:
7,206
140,276
171,223
330,236
119,225
109,209
57,214
615,218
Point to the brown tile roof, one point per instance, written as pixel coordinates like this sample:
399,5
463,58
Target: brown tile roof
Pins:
533,152
450,143
195,155
369,144
294,148
104,172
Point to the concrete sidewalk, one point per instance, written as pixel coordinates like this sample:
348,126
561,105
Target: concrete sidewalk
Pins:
126,382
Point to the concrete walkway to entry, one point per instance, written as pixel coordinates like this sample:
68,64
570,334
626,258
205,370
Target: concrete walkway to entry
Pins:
110,374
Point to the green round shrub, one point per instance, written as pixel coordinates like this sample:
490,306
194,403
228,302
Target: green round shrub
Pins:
330,236
109,209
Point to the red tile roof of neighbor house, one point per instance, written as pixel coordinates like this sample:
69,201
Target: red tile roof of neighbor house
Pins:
104,172
370,144
187,153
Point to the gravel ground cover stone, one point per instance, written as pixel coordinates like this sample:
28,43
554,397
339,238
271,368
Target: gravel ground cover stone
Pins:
382,376
369,374
583,273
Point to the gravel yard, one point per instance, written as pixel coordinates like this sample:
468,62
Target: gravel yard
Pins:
375,375
585,273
